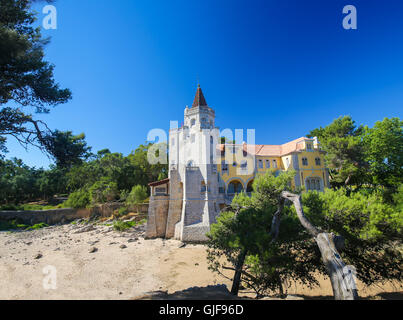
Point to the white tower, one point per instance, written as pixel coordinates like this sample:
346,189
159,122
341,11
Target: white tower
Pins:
193,173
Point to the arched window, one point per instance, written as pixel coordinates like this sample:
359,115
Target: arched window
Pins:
313,184
275,164
267,164
192,122
235,187
190,163
304,161
260,164
249,188
317,161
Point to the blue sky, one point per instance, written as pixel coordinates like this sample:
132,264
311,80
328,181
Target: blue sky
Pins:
281,67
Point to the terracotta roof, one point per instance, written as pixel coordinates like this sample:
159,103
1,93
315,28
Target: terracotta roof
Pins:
199,100
158,183
271,150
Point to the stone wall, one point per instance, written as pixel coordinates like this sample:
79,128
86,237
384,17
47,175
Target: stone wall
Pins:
157,217
47,216
175,204
67,215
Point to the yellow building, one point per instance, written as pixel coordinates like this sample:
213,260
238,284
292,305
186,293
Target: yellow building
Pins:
205,175
239,164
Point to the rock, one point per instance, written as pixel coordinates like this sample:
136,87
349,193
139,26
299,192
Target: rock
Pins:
93,250
85,229
38,256
132,240
182,245
123,246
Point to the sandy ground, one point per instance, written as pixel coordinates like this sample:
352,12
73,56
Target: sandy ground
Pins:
122,266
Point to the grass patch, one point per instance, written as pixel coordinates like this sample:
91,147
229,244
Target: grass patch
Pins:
37,226
27,207
15,225
125,225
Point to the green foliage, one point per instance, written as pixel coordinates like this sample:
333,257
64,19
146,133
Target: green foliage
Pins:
247,228
383,153
342,141
372,230
20,183
137,195
398,198
78,199
122,212
371,227
363,157
103,191
123,225
15,225
67,149
26,78
37,226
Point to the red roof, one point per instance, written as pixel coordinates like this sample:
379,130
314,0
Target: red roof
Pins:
158,183
271,150
199,100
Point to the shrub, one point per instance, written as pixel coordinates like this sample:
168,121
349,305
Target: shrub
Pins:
137,195
103,191
37,226
123,225
122,211
78,199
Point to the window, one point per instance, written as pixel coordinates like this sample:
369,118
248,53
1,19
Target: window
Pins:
313,184
192,122
234,164
267,164
192,138
160,191
287,162
224,166
211,140
275,164
244,165
317,161
203,187
304,161
308,146
260,164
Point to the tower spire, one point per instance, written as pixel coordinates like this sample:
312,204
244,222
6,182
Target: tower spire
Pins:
199,100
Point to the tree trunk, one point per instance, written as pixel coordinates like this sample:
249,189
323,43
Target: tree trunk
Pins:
341,276
238,272
275,225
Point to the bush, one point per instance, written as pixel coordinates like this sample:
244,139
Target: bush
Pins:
123,225
137,195
122,211
103,191
78,199
37,226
